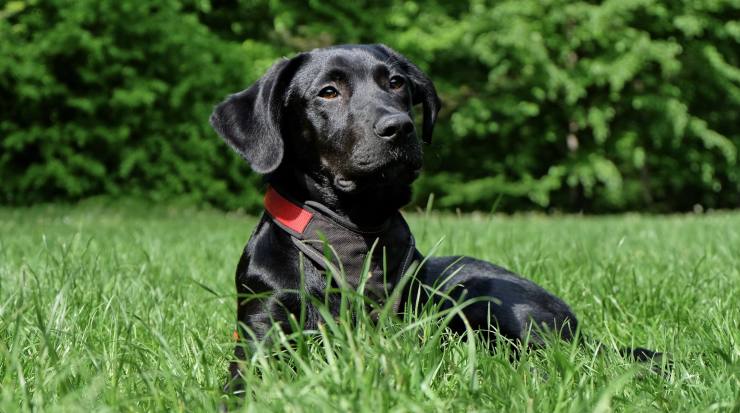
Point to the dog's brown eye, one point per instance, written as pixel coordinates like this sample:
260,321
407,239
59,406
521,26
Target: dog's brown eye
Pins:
396,82
329,93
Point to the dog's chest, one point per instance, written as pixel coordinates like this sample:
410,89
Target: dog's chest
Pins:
345,252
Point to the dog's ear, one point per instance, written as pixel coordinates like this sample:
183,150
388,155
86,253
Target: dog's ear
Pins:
249,121
422,91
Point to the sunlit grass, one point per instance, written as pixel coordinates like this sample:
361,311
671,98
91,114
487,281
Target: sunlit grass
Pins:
128,307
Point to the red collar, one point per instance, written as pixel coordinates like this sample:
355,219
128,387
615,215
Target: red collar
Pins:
286,212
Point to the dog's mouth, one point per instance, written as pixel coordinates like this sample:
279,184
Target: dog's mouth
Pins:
391,173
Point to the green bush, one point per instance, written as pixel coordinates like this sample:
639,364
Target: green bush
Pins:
568,105
113,97
580,106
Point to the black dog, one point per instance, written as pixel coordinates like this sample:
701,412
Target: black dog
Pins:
333,131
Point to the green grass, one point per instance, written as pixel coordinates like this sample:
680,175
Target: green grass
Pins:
123,307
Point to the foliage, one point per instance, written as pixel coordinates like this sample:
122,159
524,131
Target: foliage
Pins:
623,104
571,105
113,97
99,311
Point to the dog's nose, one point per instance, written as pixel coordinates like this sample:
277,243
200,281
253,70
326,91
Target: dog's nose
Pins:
394,126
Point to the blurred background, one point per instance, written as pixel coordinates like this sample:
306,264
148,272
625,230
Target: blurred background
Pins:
549,105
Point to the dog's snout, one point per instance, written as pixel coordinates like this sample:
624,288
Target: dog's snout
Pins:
394,126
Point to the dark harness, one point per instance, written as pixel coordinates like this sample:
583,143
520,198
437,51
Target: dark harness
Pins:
340,247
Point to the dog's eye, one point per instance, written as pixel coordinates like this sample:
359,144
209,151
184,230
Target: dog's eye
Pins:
396,82
329,92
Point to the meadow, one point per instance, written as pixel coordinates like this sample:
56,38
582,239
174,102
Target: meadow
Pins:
120,306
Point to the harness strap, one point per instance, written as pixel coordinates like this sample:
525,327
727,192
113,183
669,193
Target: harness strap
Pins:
285,212
312,227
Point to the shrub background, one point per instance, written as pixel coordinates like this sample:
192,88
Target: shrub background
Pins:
548,104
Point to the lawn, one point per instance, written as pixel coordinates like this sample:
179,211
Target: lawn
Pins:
120,306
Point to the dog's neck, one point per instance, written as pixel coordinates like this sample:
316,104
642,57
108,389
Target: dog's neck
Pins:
368,208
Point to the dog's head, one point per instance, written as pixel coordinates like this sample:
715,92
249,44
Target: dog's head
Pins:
342,115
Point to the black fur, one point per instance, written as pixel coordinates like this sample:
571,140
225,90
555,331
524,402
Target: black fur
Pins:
356,152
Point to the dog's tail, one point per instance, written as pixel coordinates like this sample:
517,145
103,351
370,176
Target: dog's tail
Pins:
659,362
568,330
641,354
